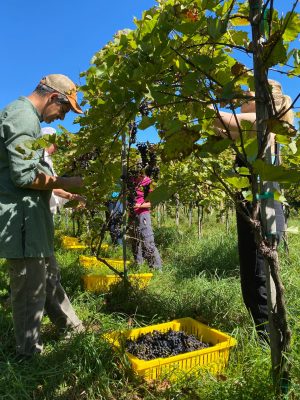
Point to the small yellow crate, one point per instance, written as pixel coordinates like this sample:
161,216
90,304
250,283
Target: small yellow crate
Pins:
69,242
213,359
102,283
92,262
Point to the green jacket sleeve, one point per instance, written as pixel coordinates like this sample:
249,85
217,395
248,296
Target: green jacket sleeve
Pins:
23,162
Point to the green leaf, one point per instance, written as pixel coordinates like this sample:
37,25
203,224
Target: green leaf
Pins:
227,92
293,147
180,144
161,193
181,64
238,182
240,21
216,27
145,123
276,173
281,128
243,171
239,37
215,145
203,61
283,139
274,51
280,197
187,27
293,27
71,204
247,194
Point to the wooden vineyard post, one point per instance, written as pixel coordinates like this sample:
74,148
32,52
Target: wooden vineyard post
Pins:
124,200
279,332
176,195
158,213
199,219
190,214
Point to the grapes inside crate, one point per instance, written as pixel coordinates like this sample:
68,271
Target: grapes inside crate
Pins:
213,358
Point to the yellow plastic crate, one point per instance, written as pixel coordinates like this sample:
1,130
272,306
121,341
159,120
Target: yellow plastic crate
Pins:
213,359
92,262
102,283
69,242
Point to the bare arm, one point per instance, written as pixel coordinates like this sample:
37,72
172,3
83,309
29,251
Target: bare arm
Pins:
69,196
146,204
63,194
47,182
232,122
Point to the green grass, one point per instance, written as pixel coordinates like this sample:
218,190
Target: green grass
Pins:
200,280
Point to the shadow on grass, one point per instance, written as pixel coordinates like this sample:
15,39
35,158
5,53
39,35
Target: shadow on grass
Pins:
82,367
166,300
4,280
71,273
167,236
216,257
7,343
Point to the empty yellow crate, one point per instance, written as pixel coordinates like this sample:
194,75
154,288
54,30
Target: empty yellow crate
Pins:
92,262
102,283
212,359
69,242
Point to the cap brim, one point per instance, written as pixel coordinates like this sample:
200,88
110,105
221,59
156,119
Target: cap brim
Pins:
75,106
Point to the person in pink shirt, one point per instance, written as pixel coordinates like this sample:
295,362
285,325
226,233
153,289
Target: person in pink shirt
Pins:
140,228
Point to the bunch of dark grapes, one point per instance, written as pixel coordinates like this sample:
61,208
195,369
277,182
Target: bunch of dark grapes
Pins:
143,150
132,131
163,344
132,175
144,108
152,168
83,162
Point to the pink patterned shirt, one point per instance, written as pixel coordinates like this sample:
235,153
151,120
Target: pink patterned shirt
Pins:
140,195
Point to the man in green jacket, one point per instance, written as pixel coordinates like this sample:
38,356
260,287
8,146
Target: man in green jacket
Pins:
26,223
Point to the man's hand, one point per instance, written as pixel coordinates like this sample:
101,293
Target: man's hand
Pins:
81,200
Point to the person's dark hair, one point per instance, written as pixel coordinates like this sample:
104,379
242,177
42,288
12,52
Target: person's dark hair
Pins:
42,90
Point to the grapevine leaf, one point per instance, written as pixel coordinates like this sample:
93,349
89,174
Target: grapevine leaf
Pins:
275,173
71,204
145,123
293,27
240,21
279,197
243,171
247,194
180,144
216,27
282,128
215,145
293,147
238,182
161,193
274,50
283,139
